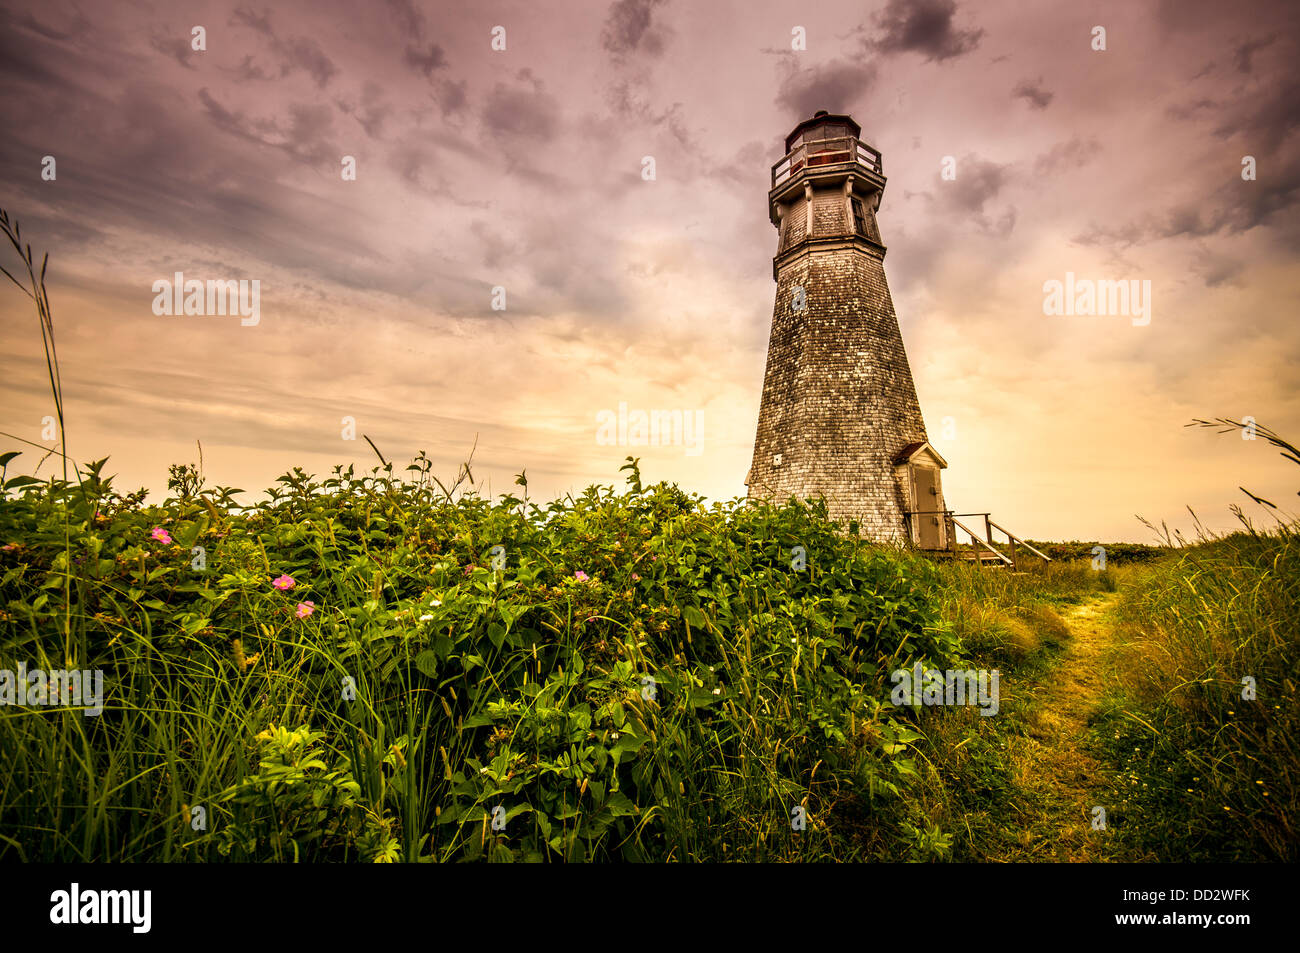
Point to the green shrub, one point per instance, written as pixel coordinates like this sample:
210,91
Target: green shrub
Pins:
370,668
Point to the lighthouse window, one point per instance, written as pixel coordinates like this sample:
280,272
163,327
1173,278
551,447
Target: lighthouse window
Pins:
860,218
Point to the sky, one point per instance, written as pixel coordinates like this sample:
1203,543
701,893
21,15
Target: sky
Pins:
502,269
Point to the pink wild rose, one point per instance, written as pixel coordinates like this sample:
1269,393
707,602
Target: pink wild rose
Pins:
580,576
284,583
161,535
305,609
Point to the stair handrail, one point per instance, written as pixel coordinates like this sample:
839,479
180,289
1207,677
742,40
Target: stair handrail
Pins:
1016,539
975,539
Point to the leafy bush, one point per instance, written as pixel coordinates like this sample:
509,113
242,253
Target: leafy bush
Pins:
1118,553
373,668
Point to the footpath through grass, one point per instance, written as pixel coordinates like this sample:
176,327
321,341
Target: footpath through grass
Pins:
1021,786
1163,693
1053,759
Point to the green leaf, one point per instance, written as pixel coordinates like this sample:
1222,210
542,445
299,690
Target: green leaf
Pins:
702,697
620,805
511,613
427,663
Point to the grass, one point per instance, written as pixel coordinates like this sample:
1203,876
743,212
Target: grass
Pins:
1204,724
995,782
1009,617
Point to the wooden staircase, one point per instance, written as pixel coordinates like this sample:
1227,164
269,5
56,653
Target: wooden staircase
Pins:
982,550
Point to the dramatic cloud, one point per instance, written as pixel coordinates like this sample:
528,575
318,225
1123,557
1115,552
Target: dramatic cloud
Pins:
522,108
923,26
631,28
176,47
371,112
836,87
409,20
1033,93
425,61
1072,154
293,53
1244,53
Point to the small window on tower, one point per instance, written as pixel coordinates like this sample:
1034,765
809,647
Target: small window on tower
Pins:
860,218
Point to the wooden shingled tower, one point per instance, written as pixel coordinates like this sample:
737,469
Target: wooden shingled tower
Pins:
839,416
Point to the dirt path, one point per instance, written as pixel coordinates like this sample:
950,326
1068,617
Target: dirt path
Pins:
1063,781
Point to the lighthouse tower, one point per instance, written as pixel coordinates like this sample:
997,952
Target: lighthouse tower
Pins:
839,417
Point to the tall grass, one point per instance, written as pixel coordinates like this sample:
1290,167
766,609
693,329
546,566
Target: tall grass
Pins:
34,288
1207,721
1009,617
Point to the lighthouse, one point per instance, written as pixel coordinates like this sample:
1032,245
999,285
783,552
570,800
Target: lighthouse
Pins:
839,417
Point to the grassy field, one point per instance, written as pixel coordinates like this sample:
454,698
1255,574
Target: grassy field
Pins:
379,669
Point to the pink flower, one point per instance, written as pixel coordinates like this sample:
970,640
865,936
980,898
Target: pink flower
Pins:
635,577
580,576
161,535
305,609
284,583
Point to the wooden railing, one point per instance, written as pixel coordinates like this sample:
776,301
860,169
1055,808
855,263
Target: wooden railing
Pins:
844,149
952,523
